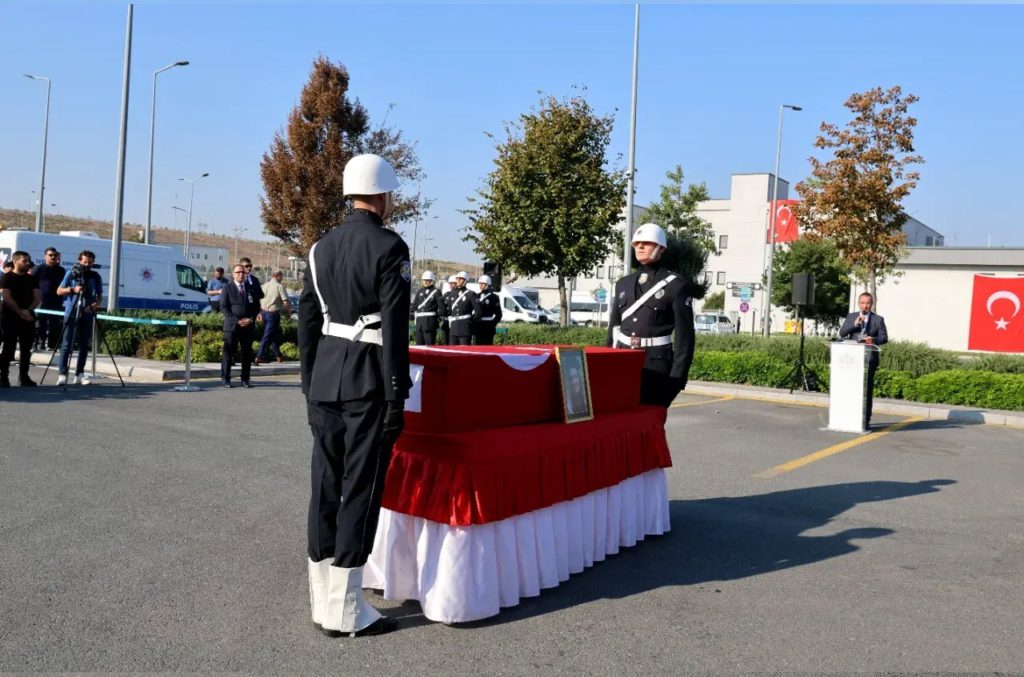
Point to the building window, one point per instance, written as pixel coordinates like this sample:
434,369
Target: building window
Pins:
611,273
721,277
929,241
723,241
709,277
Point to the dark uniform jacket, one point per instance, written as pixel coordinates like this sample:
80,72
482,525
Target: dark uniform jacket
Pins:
235,305
875,328
428,300
669,311
490,308
464,304
361,268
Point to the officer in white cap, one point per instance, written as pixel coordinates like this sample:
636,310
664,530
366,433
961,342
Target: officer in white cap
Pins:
465,310
427,310
649,307
447,299
354,347
490,313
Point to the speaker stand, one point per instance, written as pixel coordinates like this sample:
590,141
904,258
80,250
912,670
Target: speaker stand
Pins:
801,375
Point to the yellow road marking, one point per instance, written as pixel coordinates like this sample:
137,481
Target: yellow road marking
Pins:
836,448
693,404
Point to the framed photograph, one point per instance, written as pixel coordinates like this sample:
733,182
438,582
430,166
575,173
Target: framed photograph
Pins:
575,384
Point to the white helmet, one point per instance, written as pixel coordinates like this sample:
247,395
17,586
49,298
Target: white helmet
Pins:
463,274
650,232
427,275
451,279
485,279
368,175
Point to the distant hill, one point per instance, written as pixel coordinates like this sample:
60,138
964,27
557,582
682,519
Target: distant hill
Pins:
263,253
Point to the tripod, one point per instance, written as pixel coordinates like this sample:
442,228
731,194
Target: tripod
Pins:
79,316
801,375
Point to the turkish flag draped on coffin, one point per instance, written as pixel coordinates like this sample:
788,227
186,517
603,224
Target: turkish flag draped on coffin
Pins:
997,314
786,229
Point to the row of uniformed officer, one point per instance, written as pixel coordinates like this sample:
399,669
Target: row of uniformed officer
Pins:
465,313
428,311
354,347
651,306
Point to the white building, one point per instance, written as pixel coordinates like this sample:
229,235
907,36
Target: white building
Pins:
929,299
205,259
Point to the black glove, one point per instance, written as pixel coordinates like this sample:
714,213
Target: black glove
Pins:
394,422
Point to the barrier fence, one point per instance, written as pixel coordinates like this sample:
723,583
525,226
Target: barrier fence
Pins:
188,387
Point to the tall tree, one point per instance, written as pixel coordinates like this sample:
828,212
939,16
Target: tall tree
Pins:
302,171
831,279
676,210
550,206
855,198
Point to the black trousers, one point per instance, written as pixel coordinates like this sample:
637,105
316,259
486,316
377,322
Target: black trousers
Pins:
48,327
657,388
239,336
425,336
464,340
350,461
485,334
872,368
17,333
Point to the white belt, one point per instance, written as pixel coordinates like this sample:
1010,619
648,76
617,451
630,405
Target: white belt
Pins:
644,342
357,331
456,318
430,314
487,319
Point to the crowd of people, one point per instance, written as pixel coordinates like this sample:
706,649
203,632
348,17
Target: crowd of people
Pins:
458,317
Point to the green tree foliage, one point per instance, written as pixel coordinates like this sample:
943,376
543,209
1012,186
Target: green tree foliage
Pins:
714,301
676,210
855,198
302,171
687,258
831,279
550,206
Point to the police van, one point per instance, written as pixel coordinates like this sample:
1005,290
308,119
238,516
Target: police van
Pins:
153,277
517,306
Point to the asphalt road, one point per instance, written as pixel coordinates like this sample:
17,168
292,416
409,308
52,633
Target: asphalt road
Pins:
147,530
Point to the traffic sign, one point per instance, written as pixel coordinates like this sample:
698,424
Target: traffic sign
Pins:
744,307
601,294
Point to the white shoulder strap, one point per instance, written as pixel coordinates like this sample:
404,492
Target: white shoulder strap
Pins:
316,285
643,299
429,296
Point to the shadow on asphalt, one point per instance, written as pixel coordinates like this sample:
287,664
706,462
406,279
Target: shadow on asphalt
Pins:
938,424
110,389
724,539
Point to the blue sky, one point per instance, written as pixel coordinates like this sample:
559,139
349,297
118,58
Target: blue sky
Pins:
711,81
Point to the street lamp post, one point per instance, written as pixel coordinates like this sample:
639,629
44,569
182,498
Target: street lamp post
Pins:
191,202
177,209
767,312
152,137
237,230
46,134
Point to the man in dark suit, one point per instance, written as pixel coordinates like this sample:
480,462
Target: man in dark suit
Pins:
240,306
354,347
867,327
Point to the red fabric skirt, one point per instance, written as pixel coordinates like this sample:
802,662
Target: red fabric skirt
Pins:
465,478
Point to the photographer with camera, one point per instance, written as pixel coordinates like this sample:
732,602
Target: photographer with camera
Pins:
20,298
82,290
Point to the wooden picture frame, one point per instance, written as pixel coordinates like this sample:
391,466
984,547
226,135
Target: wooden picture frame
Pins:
574,384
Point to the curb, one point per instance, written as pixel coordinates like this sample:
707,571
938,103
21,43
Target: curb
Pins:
153,371
933,412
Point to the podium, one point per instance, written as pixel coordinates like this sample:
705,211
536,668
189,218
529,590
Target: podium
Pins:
848,378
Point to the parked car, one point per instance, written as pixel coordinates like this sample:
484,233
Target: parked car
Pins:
713,323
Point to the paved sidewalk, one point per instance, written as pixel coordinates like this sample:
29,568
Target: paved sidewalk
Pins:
136,370
939,412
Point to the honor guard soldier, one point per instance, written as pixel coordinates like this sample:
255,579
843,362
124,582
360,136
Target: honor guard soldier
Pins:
649,306
428,310
354,347
490,313
465,310
447,299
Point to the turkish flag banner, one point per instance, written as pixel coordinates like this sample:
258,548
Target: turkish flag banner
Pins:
997,314
786,229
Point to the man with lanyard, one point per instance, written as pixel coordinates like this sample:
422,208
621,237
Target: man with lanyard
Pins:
81,288
427,310
20,299
650,306
465,309
214,289
50,275
490,313
867,327
354,347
